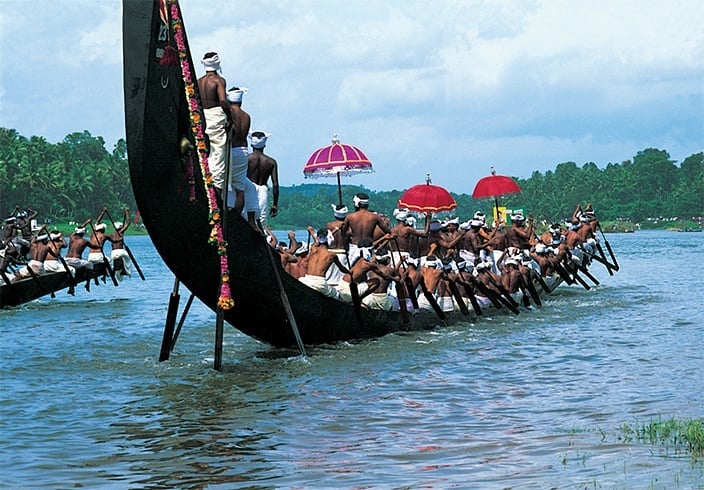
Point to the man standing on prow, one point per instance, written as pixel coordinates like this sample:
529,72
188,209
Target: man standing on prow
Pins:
261,168
239,155
361,224
216,109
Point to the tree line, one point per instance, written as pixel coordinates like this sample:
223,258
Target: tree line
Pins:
73,179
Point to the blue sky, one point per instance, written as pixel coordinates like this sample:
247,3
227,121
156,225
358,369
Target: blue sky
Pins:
446,87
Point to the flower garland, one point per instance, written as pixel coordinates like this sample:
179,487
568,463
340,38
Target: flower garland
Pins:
216,238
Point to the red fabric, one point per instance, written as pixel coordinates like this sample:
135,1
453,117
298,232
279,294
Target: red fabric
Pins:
427,198
494,186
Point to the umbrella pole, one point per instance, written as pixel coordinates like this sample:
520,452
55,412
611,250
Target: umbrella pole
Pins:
339,189
496,214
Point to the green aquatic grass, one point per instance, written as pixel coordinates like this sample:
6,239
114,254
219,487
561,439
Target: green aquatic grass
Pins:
687,434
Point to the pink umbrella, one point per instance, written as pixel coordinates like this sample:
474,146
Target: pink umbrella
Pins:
337,159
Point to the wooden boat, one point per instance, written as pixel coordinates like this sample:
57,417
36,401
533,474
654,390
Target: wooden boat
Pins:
26,290
176,212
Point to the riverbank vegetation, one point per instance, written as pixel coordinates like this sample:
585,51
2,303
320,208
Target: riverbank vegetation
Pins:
72,180
680,435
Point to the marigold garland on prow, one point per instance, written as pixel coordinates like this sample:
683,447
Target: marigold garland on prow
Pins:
216,238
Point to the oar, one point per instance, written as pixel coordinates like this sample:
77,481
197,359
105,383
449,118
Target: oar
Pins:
7,280
167,339
401,295
105,259
472,298
127,249
432,301
572,268
541,281
71,280
407,280
615,265
284,296
531,288
458,297
354,291
586,272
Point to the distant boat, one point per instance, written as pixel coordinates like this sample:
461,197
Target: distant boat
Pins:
31,288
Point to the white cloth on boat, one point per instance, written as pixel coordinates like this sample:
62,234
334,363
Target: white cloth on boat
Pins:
36,266
263,201
52,265
79,263
343,288
216,129
378,301
319,284
126,270
95,257
446,303
239,162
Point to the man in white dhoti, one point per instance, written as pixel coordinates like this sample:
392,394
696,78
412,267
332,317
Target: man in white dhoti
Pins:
262,168
216,109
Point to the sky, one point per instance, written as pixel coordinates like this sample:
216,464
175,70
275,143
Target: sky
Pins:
449,88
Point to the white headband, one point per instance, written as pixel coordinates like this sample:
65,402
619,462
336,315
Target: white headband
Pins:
212,63
358,200
235,95
258,141
339,213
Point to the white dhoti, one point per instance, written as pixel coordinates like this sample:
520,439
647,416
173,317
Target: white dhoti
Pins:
216,129
79,263
343,289
95,257
57,266
423,303
36,267
239,162
446,303
263,200
378,301
467,256
319,284
121,253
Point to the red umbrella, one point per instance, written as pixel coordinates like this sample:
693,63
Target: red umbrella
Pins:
426,198
495,186
337,159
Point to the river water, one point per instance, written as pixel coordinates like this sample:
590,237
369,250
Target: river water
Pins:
534,401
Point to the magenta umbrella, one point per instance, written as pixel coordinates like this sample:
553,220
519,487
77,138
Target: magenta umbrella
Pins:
337,159
495,186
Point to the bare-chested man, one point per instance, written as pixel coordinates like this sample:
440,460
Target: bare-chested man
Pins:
381,277
431,274
117,239
216,109
361,224
246,201
404,237
518,235
335,227
38,251
262,168
77,243
319,261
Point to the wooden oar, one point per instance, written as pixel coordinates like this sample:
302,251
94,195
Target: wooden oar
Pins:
354,291
407,280
458,297
572,268
472,298
586,272
614,265
167,339
531,289
432,301
541,281
403,308
127,249
284,296
69,276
